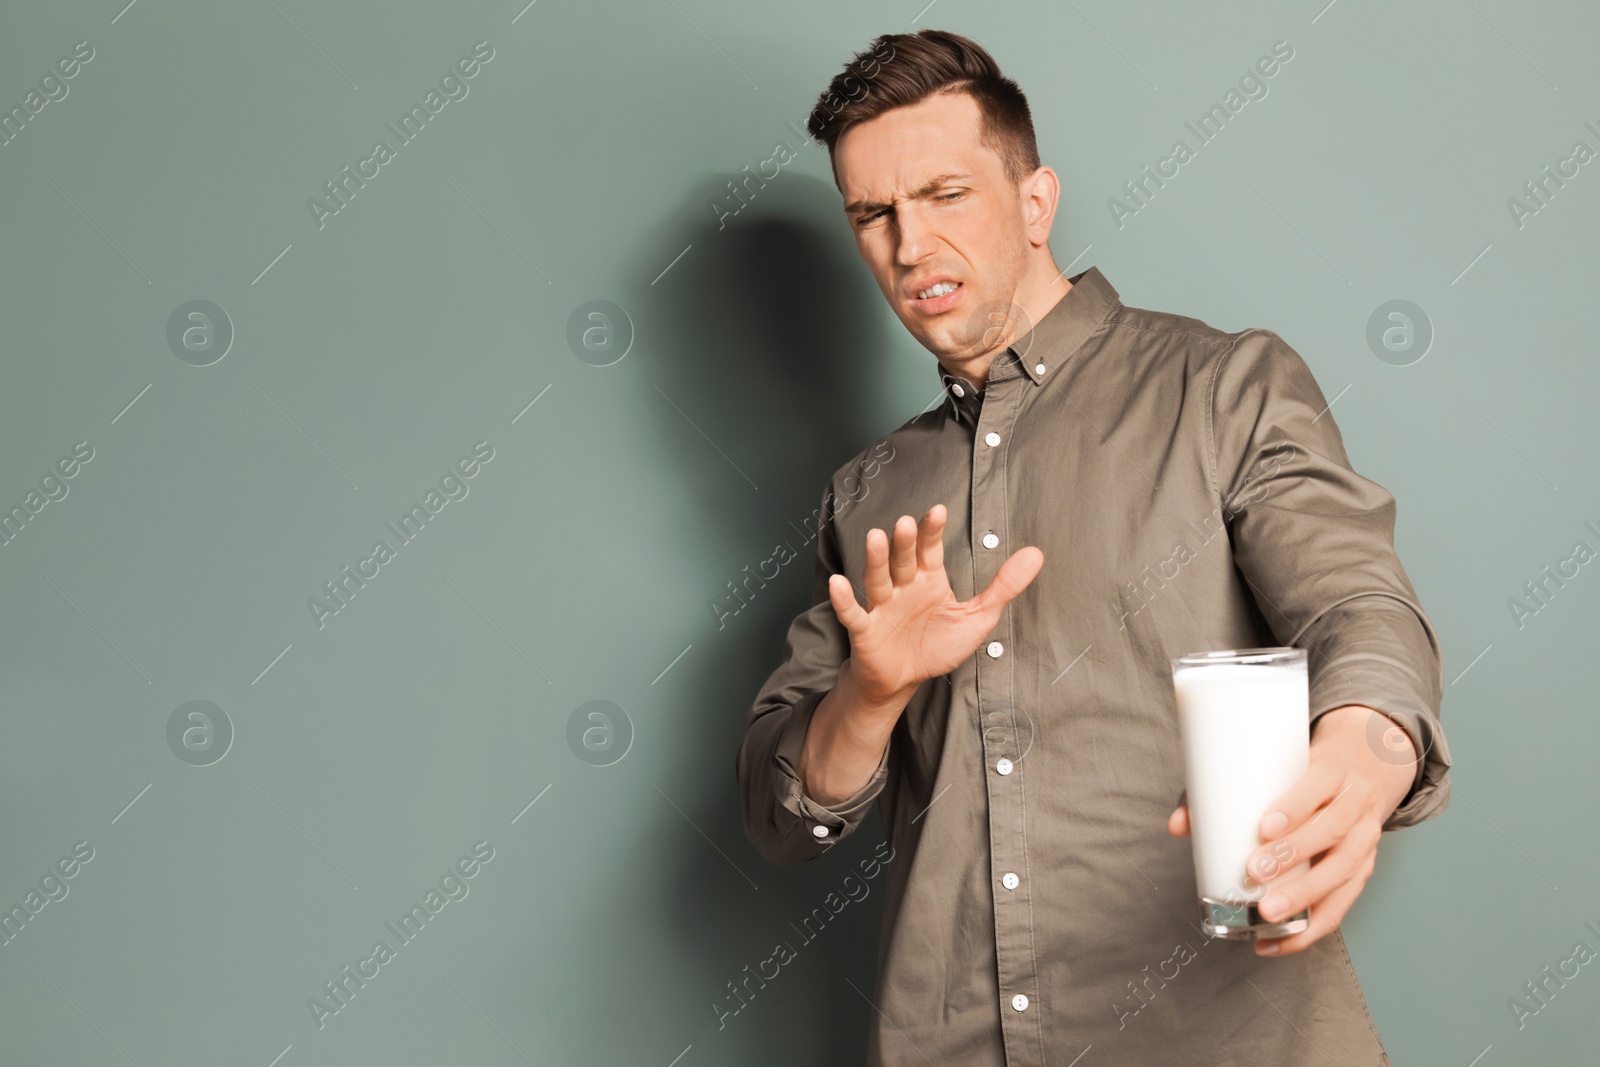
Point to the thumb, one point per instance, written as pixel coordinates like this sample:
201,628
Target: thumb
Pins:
843,597
1178,821
1012,578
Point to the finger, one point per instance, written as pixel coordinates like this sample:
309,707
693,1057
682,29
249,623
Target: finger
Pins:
1331,825
903,552
875,579
1293,893
1326,916
1012,578
843,598
930,538
1318,785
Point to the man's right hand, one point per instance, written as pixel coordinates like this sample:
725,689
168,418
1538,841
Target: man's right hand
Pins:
913,627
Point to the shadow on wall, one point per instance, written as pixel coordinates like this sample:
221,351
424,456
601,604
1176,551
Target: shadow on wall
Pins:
761,333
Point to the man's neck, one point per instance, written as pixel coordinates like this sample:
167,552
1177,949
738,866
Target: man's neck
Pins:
1036,302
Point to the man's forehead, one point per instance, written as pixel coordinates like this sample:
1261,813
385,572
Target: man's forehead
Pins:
898,153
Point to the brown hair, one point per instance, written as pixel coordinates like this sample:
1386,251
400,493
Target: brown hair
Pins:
901,69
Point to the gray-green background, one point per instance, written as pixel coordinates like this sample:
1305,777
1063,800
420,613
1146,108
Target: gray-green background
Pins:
370,354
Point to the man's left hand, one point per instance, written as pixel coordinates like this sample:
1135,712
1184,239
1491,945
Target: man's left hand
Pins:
1334,814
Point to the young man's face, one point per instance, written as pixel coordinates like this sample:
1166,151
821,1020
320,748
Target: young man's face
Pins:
929,203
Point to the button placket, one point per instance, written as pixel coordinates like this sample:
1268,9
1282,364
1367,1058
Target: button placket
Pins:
1000,401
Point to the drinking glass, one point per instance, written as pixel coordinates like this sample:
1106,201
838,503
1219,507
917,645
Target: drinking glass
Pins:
1243,715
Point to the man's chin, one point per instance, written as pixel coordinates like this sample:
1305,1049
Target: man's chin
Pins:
936,342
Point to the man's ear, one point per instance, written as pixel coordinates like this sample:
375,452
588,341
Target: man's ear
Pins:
1041,191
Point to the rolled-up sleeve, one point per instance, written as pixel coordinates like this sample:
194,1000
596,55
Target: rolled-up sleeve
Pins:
785,824
1314,540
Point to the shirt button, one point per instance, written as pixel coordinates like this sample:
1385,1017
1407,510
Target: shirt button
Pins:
991,439
956,389
990,540
1004,766
1039,369
1019,1002
819,831
1010,881
995,648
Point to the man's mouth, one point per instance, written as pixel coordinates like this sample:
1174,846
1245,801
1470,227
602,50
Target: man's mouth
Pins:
939,298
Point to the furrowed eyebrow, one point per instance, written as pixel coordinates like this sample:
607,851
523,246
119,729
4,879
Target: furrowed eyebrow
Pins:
928,188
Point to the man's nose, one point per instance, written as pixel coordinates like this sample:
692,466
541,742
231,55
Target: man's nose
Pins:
913,239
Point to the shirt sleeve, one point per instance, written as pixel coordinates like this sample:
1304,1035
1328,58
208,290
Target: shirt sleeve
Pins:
1314,540
785,824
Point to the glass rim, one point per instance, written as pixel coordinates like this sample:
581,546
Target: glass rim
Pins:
1276,656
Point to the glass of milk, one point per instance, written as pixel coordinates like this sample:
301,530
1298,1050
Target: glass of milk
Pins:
1243,715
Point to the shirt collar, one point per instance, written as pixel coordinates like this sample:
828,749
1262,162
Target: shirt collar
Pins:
1040,353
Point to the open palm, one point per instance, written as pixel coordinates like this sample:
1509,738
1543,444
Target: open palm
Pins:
913,628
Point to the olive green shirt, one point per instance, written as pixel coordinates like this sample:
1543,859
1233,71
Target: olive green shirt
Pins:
1190,492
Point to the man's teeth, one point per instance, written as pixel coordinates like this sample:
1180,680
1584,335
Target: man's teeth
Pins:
938,290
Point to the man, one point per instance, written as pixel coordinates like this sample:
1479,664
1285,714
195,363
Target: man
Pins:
1103,488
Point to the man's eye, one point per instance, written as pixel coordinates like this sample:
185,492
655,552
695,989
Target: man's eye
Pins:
953,195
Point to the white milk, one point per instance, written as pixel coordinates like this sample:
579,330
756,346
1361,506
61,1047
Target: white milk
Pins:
1246,740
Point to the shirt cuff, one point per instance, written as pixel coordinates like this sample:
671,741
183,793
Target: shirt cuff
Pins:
824,824
1380,665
